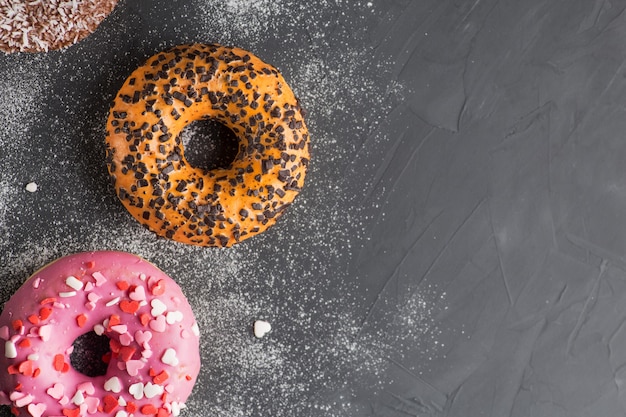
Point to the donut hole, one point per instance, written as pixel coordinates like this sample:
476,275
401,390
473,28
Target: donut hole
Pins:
89,351
209,144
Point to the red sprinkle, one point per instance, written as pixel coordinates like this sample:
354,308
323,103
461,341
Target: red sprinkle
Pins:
81,319
44,313
131,407
106,358
145,319
36,372
15,411
159,288
110,403
75,412
160,378
163,413
59,361
49,300
114,320
188,377
12,370
129,307
26,368
17,324
115,345
122,285
90,264
24,343
126,353
148,409
33,319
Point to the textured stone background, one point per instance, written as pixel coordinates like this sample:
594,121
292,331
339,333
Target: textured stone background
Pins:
459,248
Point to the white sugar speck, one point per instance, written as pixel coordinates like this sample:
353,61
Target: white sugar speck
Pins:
31,187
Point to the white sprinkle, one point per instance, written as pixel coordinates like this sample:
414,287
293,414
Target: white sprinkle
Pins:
74,283
174,317
261,328
98,329
113,302
136,390
113,384
78,398
158,307
169,357
151,390
120,328
10,351
67,294
195,329
31,187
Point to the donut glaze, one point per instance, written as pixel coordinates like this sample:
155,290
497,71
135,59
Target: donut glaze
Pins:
41,26
153,337
146,159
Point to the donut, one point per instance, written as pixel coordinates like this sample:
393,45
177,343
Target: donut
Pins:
43,25
146,158
153,337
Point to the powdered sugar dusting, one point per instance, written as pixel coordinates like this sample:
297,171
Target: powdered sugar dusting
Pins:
296,275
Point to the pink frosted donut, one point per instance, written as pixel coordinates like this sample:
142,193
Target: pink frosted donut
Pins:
153,339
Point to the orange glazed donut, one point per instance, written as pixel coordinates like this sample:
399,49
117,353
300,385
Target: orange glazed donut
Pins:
146,159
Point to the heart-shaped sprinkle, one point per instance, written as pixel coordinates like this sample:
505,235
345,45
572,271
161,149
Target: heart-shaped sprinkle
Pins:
89,286
158,307
78,398
110,403
133,367
146,354
129,307
36,410
141,337
4,332
92,404
138,294
121,413
261,328
136,390
126,339
159,324
23,401
87,388
64,400
184,334
169,357
122,402
16,395
45,332
151,390
158,288
113,384
56,391
174,317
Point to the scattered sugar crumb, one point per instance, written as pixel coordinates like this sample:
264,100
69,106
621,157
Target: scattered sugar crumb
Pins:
261,328
31,187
